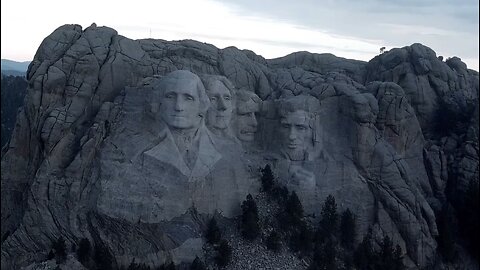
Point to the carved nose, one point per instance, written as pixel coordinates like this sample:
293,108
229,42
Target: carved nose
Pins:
221,105
292,135
178,105
253,120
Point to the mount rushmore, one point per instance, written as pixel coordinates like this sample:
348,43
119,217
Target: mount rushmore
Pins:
133,144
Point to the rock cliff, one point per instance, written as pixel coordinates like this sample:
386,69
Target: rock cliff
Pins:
90,157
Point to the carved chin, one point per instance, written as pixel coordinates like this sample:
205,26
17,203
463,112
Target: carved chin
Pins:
295,154
217,121
220,124
180,122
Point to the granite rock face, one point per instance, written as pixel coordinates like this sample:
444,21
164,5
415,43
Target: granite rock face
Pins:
102,149
429,83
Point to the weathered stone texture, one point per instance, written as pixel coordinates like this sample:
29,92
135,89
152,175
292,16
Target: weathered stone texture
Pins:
87,157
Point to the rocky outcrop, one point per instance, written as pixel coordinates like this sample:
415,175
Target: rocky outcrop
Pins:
444,98
90,157
322,64
428,82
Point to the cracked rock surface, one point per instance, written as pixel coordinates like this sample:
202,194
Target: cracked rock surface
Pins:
77,164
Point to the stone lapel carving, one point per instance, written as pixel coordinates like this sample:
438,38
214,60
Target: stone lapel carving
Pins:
166,151
162,184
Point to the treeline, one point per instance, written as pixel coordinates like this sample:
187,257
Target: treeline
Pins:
458,223
13,90
98,257
330,244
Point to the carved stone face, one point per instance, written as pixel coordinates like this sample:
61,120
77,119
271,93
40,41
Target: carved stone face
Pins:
220,112
180,107
295,132
246,122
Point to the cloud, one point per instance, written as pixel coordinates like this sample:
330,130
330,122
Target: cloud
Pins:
267,37
346,28
448,27
290,36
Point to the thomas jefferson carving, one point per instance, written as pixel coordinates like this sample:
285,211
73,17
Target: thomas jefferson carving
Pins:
221,94
173,159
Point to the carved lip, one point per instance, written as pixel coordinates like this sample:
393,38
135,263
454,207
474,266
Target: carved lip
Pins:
247,131
292,145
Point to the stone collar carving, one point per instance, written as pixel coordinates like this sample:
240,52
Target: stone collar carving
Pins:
166,151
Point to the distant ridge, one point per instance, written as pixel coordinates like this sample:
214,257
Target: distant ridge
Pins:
10,72
11,66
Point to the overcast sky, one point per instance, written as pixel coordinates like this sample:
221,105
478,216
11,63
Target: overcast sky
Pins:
271,28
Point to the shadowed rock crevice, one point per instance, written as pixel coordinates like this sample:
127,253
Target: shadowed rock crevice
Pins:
101,151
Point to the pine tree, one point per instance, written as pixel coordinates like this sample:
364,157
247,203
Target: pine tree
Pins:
280,194
60,250
224,253
347,229
388,256
102,257
325,255
364,256
470,219
213,234
83,251
170,266
7,233
302,239
398,258
250,226
50,255
138,266
329,219
274,242
197,264
267,179
250,220
294,210
447,228
167,266
249,205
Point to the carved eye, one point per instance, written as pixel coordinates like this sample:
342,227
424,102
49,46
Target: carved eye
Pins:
228,98
300,127
213,98
169,95
189,98
285,126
